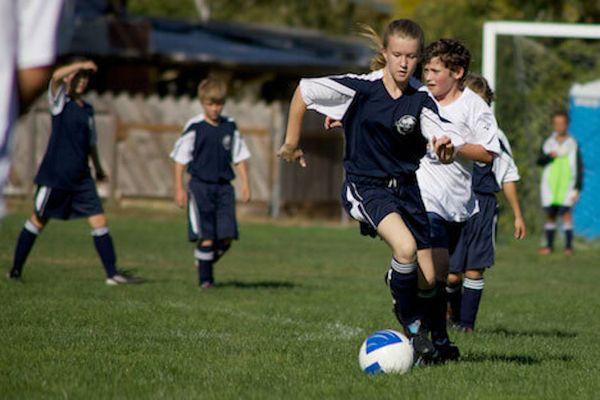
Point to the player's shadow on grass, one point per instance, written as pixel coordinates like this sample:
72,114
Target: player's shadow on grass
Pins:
551,333
520,359
258,285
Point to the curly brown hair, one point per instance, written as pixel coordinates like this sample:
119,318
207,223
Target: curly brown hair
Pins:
452,53
480,86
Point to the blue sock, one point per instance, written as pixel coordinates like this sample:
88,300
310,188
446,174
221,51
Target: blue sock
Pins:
205,256
454,295
220,249
437,312
402,280
549,229
106,250
25,243
568,237
472,291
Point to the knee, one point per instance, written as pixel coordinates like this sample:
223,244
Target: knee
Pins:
36,222
98,221
405,252
206,243
454,279
474,274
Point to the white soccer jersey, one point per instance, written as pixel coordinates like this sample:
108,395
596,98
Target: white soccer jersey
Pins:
27,40
504,167
446,189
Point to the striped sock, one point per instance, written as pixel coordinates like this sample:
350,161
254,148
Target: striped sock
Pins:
205,256
25,243
471,298
402,280
106,250
549,230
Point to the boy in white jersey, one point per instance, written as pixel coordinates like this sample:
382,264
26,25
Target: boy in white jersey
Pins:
446,188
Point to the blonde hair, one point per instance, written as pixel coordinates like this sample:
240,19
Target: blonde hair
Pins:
212,89
404,28
480,85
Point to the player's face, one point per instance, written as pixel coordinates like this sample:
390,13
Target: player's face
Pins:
401,56
81,84
212,109
560,124
439,79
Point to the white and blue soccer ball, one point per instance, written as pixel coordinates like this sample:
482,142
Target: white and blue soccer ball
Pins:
387,352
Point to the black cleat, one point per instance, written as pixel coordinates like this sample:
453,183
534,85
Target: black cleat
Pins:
12,276
447,350
425,352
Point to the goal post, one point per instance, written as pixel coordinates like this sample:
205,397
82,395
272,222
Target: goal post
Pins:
491,31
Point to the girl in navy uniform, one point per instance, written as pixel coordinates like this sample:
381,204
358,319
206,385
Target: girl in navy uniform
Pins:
389,126
65,187
209,146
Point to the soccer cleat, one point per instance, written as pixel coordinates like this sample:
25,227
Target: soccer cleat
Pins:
123,278
568,252
447,350
11,276
544,251
425,351
206,285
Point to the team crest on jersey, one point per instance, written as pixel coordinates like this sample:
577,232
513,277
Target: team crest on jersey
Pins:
406,124
227,142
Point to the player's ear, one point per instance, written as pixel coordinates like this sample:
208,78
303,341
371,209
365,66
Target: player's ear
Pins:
458,73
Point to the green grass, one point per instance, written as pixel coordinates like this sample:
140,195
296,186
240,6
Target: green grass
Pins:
292,309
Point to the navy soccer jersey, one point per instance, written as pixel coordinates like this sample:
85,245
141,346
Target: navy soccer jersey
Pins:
65,164
385,137
210,150
488,178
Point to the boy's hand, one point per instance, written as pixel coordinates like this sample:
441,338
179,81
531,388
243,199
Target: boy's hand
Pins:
246,194
181,198
444,149
290,153
331,123
520,230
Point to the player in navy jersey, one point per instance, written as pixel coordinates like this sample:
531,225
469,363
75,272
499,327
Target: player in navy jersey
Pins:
389,126
477,253
65,187
209,146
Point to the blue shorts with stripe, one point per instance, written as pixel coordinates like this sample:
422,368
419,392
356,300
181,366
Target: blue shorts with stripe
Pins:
211,211
370,200
81,202
478,250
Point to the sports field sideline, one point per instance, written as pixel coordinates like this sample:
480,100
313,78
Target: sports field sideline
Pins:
291,308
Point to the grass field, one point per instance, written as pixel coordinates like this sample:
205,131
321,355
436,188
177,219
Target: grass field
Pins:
286,321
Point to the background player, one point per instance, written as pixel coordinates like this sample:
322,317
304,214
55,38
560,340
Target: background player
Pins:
477,254
561,181
209,145
66,189
388,124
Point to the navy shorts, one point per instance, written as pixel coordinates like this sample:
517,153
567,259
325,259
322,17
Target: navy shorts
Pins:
370,200
211,211
477,252
80,202
554,211
446,234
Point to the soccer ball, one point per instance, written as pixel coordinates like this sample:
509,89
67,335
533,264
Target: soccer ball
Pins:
387,352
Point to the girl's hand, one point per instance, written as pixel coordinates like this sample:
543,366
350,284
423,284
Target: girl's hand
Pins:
246,194
331,123
290,153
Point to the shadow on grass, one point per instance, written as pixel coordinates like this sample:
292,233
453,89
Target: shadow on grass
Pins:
529,333
257,285
516,359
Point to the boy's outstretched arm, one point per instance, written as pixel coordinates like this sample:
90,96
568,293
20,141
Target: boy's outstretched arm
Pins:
180,193
475,152
242,170
510,192
62,73
289,151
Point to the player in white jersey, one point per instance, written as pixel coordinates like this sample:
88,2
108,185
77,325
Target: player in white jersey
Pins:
477,253
446,189
27,46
